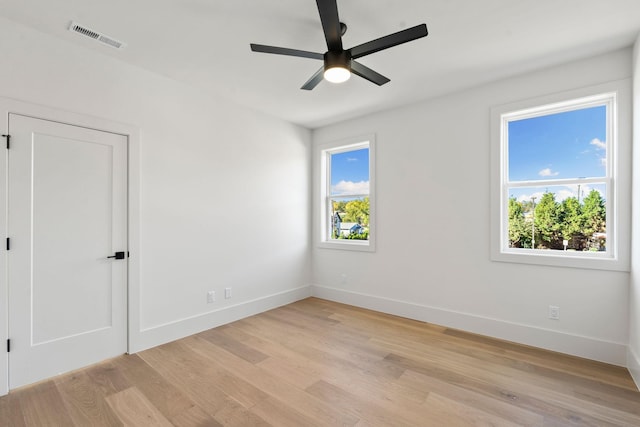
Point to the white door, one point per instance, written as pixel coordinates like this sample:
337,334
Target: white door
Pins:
67,213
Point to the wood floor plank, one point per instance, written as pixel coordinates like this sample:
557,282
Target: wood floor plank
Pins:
282,414
11,412
277,387
454,414
194,417
499,408
590,390
376,376
320,363
370,412
322,351
234,346
560,363
535,399
84,401
135,410
212,388
165,396
281,362
42,405
108,378
365,380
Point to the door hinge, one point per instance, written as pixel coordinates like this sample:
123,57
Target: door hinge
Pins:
8,137
8,346
8,244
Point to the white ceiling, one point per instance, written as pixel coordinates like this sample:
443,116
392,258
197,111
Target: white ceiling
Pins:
205,43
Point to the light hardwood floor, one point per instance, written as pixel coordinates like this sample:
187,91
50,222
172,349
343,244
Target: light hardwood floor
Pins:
318,363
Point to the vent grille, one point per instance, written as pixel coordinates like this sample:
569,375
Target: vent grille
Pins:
102,38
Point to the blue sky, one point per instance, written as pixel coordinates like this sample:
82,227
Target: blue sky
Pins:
350,172
565,145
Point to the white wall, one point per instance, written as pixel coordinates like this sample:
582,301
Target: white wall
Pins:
432,260
224,190
633,359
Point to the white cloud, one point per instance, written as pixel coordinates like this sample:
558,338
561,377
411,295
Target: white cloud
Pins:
603,162
598,144
565,194
548,172
527,197
351,159
350,187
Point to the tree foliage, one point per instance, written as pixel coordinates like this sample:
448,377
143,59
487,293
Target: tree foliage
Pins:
594,213
519,232
357,211
577,223
354,211
547,222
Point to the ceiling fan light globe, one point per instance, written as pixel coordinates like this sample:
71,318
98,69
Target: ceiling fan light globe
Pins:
337,74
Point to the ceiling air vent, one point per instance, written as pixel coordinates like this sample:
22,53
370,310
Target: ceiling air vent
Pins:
102,38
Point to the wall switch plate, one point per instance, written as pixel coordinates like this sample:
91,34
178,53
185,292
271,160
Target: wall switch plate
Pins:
554,312
227,293
211,297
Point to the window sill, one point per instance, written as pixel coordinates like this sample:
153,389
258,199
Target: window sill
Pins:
348,245
591,261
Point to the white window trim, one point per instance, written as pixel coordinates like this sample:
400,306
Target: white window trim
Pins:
323,186
618,181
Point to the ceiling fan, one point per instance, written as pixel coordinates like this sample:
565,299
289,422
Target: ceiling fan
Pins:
338,62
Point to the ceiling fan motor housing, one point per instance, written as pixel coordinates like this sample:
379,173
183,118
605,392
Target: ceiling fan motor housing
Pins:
340,59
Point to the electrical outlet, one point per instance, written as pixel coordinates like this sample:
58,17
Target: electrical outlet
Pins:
343,279
227,293
211,297
554,312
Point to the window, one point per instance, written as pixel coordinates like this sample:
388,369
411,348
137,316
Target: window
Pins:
560,183
347,215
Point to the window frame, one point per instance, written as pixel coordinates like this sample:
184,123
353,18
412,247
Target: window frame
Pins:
324,151
616,96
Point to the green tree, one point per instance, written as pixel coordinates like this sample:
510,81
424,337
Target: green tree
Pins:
547,222
357,211
594,213
519,231
339,206
572,222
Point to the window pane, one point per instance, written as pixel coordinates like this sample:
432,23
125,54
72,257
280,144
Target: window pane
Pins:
559,217
349,218
570,144
350,172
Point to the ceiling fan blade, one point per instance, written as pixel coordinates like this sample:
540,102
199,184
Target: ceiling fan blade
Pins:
285,51
314,80
328,10
368,74
389,41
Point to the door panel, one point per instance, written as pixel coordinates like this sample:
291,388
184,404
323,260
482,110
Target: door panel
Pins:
67,213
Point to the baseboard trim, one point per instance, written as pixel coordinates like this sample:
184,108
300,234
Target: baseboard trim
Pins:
161,334
576,345
633,365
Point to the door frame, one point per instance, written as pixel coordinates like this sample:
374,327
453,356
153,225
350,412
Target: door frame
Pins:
7,106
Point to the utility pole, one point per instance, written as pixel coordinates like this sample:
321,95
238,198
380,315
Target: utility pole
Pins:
578,193
533,222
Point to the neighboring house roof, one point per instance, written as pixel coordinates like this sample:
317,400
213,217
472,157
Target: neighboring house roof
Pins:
349,225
